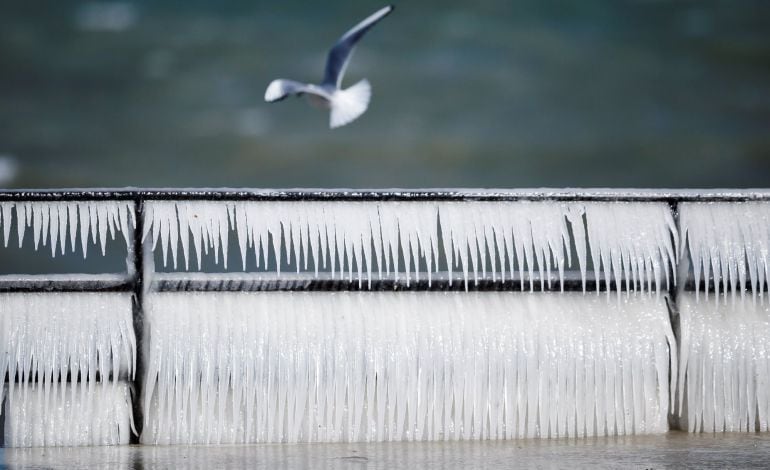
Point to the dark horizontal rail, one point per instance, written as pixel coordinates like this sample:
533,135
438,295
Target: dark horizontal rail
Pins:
324,281
225,194
308,283
43,283
711,287
388,285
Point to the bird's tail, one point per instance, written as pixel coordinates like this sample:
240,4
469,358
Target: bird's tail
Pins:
349,104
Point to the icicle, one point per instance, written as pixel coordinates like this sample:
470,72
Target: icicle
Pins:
46,337
533,234
37,222
575,216
54,229
728,244
5,212
724,365
64,222
86,417
352,233
85,226
631,243
314,367
628,238
51,222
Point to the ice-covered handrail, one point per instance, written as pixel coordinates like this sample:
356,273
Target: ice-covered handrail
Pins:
54,223
631,244
342,235
728,244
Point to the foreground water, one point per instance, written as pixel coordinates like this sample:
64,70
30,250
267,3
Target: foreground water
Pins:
673,450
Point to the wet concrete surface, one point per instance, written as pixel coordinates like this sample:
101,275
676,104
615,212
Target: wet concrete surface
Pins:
672,450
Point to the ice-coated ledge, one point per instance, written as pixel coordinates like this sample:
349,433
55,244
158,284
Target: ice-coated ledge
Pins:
562,194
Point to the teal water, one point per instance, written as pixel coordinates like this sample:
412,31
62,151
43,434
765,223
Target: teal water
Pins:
488,93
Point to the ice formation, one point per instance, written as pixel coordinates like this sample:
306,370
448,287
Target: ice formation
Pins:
54,223
632,244
80,414
728,244
724,365
346,236
525,235
48,339
366,366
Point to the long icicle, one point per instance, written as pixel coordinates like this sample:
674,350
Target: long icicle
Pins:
634,245
315,367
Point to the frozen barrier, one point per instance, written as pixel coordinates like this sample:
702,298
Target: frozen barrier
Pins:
308,367
402,316
55,223
74,414
47,339
724,364
630,243
63,355
728,244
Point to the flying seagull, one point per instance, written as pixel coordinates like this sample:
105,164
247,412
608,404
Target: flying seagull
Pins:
345,105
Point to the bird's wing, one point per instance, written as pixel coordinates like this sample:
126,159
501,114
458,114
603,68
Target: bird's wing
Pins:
281,88
339,55
348,105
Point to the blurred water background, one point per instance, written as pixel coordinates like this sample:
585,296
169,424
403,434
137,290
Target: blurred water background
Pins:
491,93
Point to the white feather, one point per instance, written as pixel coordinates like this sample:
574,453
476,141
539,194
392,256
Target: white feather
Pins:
347,105
274,91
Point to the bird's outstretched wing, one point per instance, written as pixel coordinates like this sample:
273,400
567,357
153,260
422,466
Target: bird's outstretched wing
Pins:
339,55
281,89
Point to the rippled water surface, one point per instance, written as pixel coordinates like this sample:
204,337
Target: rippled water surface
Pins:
674,450
490,93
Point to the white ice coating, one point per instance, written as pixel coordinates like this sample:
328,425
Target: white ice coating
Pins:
80,414
55,223
373,366
724,365
728,244
632,244
530,236
46,337
345,236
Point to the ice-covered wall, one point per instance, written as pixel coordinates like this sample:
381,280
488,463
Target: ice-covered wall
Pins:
49,341
724,364
632,244
270,367
78,414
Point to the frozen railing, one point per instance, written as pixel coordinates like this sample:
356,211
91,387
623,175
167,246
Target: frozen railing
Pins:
411,236
640,241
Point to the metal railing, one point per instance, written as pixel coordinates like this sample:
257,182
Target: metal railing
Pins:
134,280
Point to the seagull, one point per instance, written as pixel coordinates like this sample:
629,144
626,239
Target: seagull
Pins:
345,105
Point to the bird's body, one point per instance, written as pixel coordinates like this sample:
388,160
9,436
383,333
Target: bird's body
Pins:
345,105
320,99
